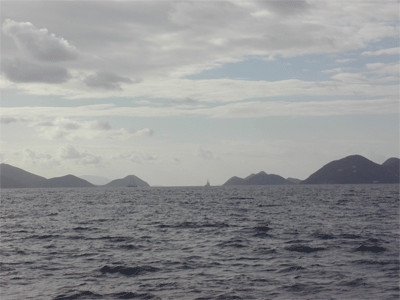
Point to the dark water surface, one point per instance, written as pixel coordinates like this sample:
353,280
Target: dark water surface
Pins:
270,242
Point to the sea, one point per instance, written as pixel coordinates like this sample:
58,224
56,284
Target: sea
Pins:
244,242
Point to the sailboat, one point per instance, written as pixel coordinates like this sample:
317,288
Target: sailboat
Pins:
208,183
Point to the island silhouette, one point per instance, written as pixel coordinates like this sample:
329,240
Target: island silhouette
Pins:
353,169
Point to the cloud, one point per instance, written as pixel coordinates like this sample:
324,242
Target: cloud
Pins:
68,152
8,120
70,129
107,80
38,158
389,51
39,43
286,8
206,154
186,101
135,156
247,109
21,71
175,161
345,60
100,125
158,40
384,69
145,132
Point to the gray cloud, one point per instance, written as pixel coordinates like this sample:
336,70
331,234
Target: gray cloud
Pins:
286,7
20,70
7,120
69,152
106,80
101,125
187,101
39,43
34,157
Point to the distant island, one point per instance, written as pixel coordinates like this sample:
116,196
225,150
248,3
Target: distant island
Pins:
353,169
261,178
13,177
356,169
128,181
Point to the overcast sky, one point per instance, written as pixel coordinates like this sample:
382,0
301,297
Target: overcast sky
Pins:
178,92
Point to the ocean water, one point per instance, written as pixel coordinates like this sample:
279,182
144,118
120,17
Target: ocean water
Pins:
260,242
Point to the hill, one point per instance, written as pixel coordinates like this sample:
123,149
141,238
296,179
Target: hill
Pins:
130,180
354,169
393,165
6,182
13,177
68,181
261,178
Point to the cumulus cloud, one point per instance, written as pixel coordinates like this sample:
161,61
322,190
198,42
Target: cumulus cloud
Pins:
39,43
107,80
20,70
68,152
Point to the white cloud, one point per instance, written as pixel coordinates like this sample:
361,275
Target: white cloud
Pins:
145,132
335,70
249,109
106,80
388,51
345,60
384,69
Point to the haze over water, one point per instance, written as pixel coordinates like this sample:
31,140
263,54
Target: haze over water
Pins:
264,242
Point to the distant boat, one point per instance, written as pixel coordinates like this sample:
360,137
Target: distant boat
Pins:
208,183
131,185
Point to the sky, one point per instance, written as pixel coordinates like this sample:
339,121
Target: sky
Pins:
178,92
